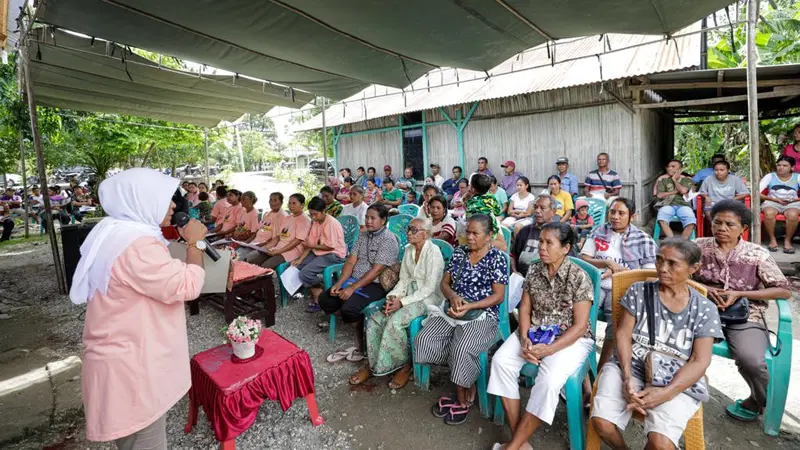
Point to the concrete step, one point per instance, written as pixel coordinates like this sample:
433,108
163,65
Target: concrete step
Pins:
34,391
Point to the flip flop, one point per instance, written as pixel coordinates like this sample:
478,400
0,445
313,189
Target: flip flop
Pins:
739,412
340,355
789,251
773,249
312,308
355,356
442,407
457,415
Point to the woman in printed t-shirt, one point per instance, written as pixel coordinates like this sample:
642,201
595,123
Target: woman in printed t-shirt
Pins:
247,227
781,198
289,234
232,216
614,247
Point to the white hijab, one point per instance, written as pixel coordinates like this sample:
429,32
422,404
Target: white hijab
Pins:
136,201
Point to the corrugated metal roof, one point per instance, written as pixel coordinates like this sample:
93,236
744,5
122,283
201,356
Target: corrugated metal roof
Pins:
579,61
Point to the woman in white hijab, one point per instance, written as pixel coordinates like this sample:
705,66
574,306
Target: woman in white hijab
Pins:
136,359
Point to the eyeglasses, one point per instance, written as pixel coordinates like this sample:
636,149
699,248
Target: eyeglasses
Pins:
412,230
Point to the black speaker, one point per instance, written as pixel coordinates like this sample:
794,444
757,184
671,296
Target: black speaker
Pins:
72,237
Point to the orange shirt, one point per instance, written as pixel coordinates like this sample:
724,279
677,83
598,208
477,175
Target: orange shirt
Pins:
136,357
232,218
293,227
270,225
329,233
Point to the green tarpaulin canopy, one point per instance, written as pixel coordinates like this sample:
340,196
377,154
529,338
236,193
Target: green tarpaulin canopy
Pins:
337,47
73,72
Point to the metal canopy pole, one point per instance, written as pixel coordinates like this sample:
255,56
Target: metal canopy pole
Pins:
752,119
26,203
325,141
37,145
208,174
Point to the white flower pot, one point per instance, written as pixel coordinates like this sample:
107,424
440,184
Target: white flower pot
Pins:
244,350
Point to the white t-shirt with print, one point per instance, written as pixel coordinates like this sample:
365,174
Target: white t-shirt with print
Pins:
359,212
612,250
521,204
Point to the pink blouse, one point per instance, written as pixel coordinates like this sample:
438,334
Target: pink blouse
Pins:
136,358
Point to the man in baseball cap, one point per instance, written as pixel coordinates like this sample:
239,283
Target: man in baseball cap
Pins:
569,182
387,172
509,181
437,177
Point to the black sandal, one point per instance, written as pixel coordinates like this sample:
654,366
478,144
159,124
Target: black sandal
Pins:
789,251
442,407
457,415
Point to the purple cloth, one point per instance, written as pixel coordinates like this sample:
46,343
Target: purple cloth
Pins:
509,183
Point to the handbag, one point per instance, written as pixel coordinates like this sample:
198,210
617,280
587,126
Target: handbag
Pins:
737,313
660,368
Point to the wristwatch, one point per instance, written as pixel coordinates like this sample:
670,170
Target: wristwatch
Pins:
200,245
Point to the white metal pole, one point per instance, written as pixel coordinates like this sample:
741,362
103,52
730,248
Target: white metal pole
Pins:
325,141
752,119
208,173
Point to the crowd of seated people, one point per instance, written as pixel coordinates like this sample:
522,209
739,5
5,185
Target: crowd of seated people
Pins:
459,297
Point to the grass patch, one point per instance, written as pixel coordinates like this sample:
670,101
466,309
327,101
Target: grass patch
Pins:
17,240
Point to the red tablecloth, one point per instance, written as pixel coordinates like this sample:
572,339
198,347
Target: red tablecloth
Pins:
231,394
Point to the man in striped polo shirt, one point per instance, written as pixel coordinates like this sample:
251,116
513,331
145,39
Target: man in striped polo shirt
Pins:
603,183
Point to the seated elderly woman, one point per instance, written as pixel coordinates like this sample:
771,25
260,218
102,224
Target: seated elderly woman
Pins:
684,325
418,286
465,325
359,285
556,293
323,247
734,269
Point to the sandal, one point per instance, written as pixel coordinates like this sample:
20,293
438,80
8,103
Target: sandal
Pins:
789,251
442,407
400,378
356,356
340,355
457,415
773,249
313,307
360,377
739,412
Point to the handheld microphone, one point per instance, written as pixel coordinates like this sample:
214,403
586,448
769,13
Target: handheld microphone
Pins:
181,219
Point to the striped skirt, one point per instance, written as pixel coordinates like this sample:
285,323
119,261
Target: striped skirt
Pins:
459,346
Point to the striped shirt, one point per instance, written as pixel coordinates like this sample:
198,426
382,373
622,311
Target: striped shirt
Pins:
597,182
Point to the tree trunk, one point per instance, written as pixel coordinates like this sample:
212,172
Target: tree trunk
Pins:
768,163
148,153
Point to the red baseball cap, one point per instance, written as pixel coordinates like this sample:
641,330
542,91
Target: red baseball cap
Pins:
387,167
508,164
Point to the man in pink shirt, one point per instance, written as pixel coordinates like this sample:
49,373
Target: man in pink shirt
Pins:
290,233
136,357
325,246
232,217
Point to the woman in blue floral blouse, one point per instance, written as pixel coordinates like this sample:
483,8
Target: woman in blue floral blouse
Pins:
465,325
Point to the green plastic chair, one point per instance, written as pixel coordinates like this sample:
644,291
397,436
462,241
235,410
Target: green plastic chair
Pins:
422,372
506,236
397,225
409,209
576,421
445,248
657,228
779,365
351,229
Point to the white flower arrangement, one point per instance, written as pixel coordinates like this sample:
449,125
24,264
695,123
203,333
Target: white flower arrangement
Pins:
243,330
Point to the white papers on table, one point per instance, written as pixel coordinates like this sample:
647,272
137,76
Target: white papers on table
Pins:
515,283
290,278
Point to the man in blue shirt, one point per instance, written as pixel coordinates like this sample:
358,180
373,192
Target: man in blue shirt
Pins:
450,187
702,174
569,182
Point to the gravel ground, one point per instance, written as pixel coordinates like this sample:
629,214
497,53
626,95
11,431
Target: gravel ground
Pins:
370,416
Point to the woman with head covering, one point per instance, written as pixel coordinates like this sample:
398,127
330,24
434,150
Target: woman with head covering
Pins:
136,358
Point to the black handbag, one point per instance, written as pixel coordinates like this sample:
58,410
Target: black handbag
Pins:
737,313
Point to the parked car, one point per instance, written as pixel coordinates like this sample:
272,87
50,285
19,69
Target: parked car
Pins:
317,167
11,180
